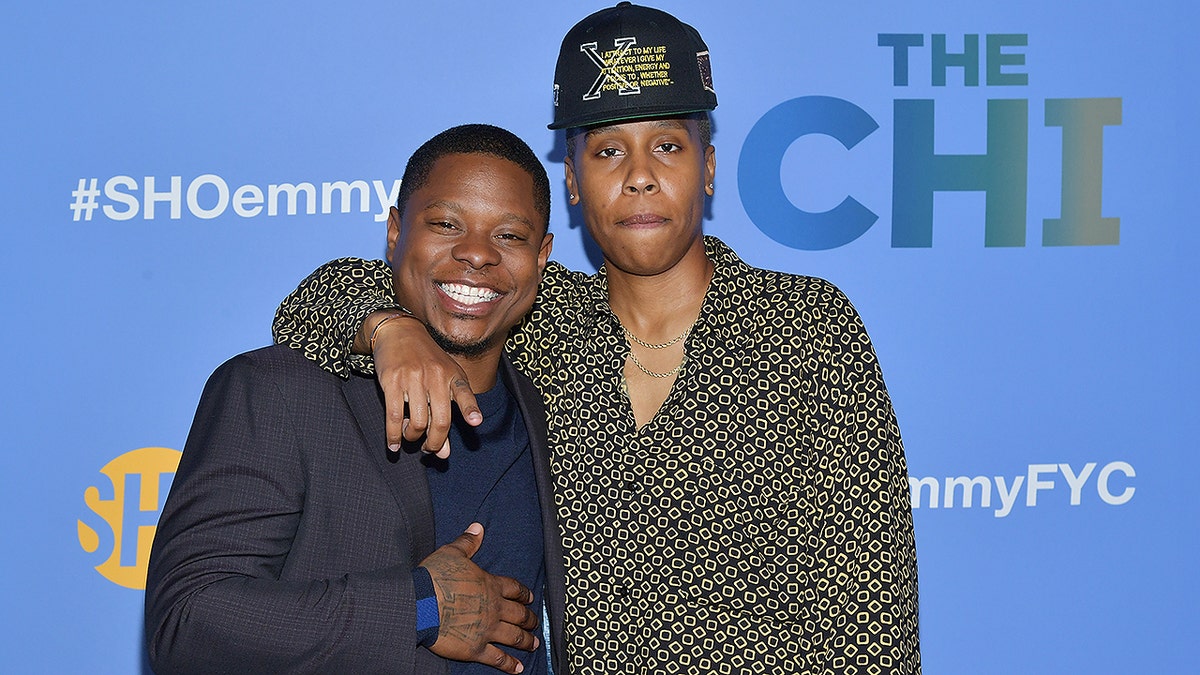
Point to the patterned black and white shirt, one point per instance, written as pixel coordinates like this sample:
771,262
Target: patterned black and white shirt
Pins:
759,523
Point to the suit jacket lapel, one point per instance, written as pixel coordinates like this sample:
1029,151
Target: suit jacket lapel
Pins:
529,401
402,471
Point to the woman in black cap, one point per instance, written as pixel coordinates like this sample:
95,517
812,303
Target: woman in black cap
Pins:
730,478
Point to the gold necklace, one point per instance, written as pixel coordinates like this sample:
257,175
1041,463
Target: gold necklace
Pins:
652,373
649,345
652,346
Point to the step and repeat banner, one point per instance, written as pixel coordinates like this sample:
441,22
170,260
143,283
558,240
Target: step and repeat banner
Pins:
1007,192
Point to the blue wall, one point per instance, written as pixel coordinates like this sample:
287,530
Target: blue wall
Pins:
1020,251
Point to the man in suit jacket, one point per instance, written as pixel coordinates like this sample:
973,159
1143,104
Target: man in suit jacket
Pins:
295,540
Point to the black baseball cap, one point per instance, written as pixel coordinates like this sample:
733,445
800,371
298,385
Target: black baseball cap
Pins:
629,62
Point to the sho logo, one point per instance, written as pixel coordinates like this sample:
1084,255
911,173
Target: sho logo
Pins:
124,513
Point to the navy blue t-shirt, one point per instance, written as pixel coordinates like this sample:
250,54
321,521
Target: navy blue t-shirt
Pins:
489,479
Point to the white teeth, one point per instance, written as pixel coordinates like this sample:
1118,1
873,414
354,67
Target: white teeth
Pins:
469,295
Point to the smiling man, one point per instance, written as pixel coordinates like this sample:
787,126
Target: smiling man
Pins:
294,541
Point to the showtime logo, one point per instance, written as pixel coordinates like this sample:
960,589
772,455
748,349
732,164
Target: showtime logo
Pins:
124,513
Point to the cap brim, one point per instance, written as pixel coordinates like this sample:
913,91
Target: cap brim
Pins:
624,116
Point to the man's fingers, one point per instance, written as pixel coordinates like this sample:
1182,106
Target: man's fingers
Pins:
492,655
470,540
464,398
437,436
512,636
395,420
420,382
514,590
421,417
418,415
518,615
521,639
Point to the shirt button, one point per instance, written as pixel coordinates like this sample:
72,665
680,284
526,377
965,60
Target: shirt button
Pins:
621,591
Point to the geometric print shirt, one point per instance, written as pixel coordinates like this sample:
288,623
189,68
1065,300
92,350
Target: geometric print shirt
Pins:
758,523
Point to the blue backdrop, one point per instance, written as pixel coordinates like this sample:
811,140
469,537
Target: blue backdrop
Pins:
1003,189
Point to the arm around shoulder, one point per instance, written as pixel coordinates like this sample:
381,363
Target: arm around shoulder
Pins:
322,316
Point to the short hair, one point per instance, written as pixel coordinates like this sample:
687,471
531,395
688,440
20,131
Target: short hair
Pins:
476,139
703,122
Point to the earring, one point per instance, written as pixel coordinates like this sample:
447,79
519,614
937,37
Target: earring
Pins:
572,197
710,186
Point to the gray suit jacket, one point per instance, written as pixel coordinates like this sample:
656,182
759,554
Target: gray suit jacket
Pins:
290,534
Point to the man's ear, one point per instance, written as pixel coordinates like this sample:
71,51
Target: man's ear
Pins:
572,188
710,168
393,234
544,252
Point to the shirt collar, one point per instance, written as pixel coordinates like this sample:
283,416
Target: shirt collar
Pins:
725,303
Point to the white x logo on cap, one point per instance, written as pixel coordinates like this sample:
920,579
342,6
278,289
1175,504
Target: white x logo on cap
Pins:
607,68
